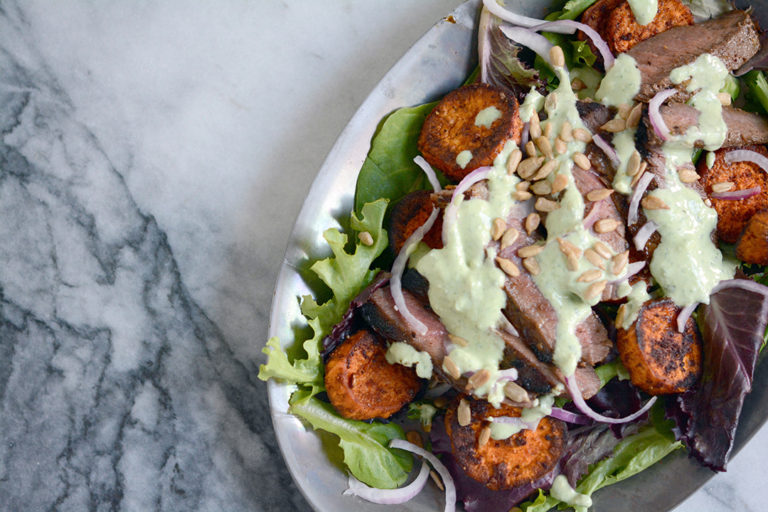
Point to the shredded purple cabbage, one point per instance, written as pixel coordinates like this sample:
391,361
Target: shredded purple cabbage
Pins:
732,330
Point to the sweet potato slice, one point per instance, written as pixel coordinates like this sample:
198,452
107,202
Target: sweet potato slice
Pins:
752,246
660,359
507,463
362,385
615,22
732,215
408,214
622,31
476,118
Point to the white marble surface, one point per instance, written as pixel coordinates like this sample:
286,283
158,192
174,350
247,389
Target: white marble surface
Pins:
153,158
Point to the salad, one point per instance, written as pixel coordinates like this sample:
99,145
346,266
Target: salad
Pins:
557,272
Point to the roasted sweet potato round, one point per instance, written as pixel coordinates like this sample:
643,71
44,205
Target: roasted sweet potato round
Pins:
660,359
477,119
362,385
732,215
622,31
408,215
507,463
752,246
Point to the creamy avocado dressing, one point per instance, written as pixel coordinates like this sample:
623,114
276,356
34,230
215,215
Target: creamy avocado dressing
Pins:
487,116
463,158
687,264
710,159
619,87
561,490
621,83
404,354
529,418
533,102
636,296
465,285
644,10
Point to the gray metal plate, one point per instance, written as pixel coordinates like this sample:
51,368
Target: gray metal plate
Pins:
436,64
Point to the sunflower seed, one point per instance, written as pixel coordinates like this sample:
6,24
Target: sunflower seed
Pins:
595,290
532,222
546,205
723,186
365,238
688,175
606,225
458,340
566,132
633,119
485,434
615,125
560,146
498,227
653,203
619,263
595,258
530,250
479,378
541,188
513,161
534,128
590,275
725,98
508,267
633,166
532,266
522,195
451,367
528,167
516,393
556,57
603,250
509,237
582,135
599,194
582,161
559,183
544,146
464,413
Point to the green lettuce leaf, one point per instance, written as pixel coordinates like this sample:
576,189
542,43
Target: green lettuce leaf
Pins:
388,171
632,455
573,9
345,274
757,94
364,444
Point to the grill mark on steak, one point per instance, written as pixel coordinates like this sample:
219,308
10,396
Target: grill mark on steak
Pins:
732,37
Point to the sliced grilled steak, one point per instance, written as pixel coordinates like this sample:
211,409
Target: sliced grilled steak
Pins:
593,114
744,128
732,37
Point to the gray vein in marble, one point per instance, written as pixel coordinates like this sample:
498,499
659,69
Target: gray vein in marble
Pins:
117,392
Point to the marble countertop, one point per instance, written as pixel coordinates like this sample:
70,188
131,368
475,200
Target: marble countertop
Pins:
153,158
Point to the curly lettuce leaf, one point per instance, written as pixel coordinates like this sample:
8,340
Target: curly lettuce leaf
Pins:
733,330
364,444
500,62
573,9
389,171
345,274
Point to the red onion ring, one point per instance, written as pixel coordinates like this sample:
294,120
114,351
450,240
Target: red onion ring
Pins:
431,176
398,267
578,400
388,496
684,315
746,155
609,151
744,284
632,269
445,475
591,217
569,417
449,216
526,134
509,374
654,114
737,195
514,18
529,38
637,194
570,27
644,234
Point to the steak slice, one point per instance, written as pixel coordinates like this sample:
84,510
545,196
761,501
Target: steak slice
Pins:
744,128
593,114
732,37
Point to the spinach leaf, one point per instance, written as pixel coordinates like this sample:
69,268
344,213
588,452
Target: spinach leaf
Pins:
388,171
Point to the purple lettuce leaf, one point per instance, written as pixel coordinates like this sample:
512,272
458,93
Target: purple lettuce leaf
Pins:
732,330
349,322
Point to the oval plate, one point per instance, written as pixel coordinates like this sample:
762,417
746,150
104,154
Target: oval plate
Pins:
439,62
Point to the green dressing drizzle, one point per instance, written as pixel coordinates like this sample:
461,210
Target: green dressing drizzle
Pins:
487,116
463,158
404,354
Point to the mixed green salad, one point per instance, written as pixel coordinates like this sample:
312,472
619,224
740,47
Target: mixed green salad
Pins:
669,253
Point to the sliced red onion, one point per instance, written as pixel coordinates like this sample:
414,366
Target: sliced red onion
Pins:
526,134
398,267
516,421
508,326
578,400
445,475
449,216
684,315
609,151
746,155
529,38
644,234
431,176
570,417
388,496
514,18
632,269
637,194
736,195
438,390
570,27
510,374
654,114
